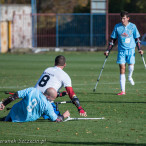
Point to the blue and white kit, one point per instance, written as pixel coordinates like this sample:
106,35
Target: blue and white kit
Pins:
32,106
126,42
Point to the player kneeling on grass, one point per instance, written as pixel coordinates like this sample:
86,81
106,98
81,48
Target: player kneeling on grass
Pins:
56,78
33,105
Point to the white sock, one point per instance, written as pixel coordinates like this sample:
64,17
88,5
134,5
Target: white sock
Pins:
131,69
122,82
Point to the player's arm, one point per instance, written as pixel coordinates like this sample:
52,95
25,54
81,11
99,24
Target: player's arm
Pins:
8,100
137,40
1,106
110,46
61,94
75,101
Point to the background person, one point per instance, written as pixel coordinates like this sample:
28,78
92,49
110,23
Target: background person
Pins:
128,36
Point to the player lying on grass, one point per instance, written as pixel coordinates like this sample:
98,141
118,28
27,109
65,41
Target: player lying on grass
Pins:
56,78
33,105
59,94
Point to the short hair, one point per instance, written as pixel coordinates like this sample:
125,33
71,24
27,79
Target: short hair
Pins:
124,13
60,60
51,92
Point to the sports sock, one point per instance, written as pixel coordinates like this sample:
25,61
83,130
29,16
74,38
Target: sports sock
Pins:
122,82
131,69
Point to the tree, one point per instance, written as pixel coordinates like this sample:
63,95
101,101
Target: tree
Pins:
132,6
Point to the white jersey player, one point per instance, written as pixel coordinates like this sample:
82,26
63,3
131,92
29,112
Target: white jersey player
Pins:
53,77
56,78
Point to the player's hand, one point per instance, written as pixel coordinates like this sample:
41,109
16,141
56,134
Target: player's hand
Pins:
82,112
61,118
1,106
60,94
106,53
140,52
66,114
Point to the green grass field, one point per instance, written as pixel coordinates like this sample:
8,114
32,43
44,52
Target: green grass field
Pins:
125,116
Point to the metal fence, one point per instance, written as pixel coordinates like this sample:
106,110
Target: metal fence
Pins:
46,30
71,30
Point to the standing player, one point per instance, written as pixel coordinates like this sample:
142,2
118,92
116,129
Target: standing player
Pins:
56,78
32,106
128,38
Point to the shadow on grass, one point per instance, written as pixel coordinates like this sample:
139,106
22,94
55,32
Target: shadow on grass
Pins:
94,93
3,118
103,93
43,120
97,143
111,102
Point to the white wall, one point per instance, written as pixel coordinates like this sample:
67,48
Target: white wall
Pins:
21,27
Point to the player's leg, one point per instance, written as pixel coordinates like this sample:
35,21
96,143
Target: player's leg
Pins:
131,69
122,79
8,118
131,61
121,60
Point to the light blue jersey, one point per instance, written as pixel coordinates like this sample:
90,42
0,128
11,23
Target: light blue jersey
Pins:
33,105
126,36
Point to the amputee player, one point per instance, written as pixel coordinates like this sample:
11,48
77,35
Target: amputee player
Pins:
56,78
128,38
33,105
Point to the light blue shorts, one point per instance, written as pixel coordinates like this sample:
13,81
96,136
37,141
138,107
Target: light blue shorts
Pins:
126,56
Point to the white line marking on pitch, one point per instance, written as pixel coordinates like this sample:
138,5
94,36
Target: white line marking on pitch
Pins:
86,84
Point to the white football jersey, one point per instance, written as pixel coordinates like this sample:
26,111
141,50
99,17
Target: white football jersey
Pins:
53,77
